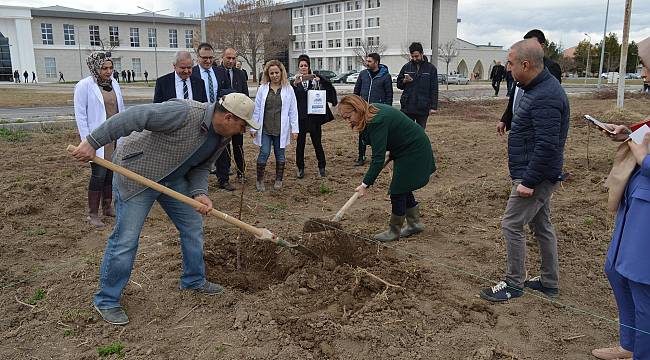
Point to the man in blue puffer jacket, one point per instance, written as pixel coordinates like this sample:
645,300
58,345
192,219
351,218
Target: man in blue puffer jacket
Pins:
535,158
374,85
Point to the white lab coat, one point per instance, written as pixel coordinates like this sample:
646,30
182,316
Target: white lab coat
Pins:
289,115
89,110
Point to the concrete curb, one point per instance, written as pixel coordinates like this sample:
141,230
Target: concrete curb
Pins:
43,126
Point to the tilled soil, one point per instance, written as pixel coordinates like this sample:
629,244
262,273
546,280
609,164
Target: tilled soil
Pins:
415,299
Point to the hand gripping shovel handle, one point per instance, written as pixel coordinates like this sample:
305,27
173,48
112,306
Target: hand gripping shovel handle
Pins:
262,234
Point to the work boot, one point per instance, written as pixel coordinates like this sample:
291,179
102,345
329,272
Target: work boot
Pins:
393,231
107,201
321,172
279,174
226,185
94,198
360,161
259,183
413,224
300,173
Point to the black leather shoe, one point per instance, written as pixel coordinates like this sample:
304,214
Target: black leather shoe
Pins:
359,162
226,186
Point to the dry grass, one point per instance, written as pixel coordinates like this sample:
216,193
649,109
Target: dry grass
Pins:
29,98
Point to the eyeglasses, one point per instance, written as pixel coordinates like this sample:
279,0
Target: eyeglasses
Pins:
207,57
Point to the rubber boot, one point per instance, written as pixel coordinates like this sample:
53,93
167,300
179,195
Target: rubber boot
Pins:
107,201
279,175
321,172
300,173
413,224
259,183
94,198
393,231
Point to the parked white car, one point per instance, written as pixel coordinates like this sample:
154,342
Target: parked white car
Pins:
352,79
458,79
394,77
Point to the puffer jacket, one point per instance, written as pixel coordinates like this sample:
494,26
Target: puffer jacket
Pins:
539,130
378,89
420,95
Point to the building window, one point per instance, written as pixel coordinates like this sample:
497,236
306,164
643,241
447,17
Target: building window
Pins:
337,43
314,11
350,42
68,34
330,43
357,24
316,27
373,22
117,64
137,66
357,41
135,37
46,34
312,44
349,24
353,5
93,30
296,46
153,38
333,8
319,63
114,35
299,29
370,4
357,5
297,13
50,68
189,39
332,26
173,38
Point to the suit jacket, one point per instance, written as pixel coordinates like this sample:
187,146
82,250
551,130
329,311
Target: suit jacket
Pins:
89,109
239,81
175,130
222,80
629,247
166,88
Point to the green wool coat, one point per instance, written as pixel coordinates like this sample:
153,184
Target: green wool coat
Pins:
410,148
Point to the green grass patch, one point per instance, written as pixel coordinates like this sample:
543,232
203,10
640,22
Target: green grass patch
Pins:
324,189
13,136
114,348
589,220
38,231
38,296
275,207
68,332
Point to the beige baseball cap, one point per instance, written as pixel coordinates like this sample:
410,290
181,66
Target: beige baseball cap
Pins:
241,106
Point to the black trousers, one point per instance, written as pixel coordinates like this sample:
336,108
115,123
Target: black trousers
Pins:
99,177
401,202
315,134
223,162
362,149
496,84
419,119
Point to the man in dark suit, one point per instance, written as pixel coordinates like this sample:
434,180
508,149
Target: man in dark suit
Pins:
236,83
496,75
216,85
179,84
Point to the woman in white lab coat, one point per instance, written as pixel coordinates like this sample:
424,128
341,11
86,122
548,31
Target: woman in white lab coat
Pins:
276,111
97,98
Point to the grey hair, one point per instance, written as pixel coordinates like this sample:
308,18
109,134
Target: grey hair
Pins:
529,50
181,55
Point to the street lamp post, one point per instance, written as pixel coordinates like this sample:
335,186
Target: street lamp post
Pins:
588,57
155,43
602,48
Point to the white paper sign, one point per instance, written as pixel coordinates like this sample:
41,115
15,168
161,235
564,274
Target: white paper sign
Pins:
316,102
637,136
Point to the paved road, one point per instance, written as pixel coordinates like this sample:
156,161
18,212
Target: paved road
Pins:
136,95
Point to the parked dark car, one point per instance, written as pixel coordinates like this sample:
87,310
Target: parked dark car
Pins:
327,74
340,78
442,78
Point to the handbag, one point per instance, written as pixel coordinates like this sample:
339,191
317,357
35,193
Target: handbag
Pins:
316,101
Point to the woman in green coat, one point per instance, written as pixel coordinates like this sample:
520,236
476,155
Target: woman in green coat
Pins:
385,128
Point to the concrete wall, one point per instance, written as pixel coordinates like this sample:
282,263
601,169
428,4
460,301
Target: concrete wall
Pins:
15,25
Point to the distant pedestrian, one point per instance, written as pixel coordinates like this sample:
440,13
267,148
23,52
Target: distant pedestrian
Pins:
133,75
128,76
26,76
116,76
645,75
61,79
496,75
419,80
146,77
510,82
16,76
34,76
243,70
123,76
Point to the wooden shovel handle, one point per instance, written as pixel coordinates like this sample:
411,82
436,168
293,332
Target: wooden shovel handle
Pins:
259,233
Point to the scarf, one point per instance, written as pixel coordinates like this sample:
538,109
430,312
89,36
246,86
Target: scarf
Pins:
95,62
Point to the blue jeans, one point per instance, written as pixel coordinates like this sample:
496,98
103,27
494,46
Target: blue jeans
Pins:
122,245
265,149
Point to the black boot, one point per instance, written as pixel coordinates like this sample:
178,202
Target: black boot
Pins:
94,198
413,224
279,175
107,201
393,231
300,173
321,172
259,183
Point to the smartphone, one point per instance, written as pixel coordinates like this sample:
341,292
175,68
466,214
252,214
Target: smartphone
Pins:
306,77
599,123
408,76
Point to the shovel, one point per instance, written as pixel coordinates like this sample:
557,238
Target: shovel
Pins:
262,234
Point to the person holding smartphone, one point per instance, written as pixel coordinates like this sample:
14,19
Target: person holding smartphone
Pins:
419,80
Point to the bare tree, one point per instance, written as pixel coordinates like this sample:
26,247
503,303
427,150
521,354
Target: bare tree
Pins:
245,25
447,52
366,48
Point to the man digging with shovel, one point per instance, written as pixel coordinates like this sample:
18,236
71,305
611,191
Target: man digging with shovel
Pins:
174,144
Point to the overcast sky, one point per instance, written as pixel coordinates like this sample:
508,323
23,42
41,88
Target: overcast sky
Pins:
500,22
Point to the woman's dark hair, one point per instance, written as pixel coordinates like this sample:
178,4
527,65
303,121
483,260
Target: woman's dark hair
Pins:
305,58
416,46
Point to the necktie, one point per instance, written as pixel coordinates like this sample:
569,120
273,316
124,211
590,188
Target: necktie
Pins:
230,75
186,95
210,85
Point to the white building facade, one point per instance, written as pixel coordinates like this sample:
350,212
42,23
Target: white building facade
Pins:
330,31
57,39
